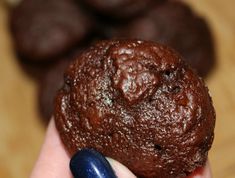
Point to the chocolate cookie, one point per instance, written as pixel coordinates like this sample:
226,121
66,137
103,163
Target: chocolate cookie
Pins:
50,84
139,103
33,69
176,25
119,8
12,3
44,29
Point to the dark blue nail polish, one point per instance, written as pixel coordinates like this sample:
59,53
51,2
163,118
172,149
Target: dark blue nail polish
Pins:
88,163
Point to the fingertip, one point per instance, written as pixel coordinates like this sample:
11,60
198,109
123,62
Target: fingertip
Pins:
202,172
89,163
120,170
53,160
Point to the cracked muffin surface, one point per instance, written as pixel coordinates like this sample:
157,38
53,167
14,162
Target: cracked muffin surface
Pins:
139,103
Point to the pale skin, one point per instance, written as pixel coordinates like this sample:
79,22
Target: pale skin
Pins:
53,161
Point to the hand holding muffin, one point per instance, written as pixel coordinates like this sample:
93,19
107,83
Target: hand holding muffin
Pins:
53,161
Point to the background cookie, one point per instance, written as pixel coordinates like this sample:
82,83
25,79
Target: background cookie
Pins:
12,2
119,8
44,29
51,82
173,24
139,103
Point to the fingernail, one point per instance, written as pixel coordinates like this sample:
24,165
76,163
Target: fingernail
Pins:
89,163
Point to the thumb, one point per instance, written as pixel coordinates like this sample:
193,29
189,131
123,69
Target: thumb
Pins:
120,170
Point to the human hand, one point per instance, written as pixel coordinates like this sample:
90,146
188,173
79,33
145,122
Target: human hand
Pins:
53,162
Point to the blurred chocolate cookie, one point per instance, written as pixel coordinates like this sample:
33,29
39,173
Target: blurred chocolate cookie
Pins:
139,103
50,83
12,3
174,24
45,29
119,8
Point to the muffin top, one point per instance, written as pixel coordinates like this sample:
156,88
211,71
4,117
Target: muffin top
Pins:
139,103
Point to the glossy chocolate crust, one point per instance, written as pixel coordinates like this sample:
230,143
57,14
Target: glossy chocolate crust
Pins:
174,24
45,29
139,103
119,8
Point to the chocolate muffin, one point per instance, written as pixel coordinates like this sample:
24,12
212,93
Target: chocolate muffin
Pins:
45,29
119,8
176,25
139,103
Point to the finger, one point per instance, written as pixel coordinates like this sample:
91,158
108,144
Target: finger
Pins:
90,163
120,170
203,172
53,160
